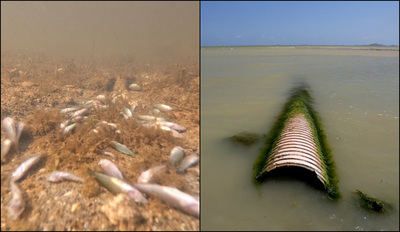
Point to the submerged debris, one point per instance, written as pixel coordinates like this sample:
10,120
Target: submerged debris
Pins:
246,138
148,175
110,168
371,203
24,168
58,176
116,185
122,148
173,197
17,203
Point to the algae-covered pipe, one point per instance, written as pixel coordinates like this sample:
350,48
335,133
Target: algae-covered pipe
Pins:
297,139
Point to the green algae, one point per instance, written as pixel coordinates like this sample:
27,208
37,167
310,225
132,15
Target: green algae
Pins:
245,138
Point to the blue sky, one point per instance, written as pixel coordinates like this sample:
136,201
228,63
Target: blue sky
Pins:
287,23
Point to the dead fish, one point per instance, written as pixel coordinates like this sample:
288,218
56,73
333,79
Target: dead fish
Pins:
173,197
173,126
160,119
5,148
69,128
8,125
112,125
77,119
128,112
126,117
187,162
101,97
176,155
19,129
109,154
116,185
17,203
133,107
147,176
176,134
110,168
163,107
24,167
58,176
65,123
135,87
68,110
156,111
80,112
122,148
146,117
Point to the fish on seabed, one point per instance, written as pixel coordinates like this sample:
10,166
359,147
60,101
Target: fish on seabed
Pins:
116,185
173,197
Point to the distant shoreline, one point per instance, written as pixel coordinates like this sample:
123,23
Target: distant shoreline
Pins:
350,47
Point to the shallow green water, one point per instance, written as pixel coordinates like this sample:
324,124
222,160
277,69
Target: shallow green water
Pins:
357,96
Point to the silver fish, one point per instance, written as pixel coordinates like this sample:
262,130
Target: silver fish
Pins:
146,117
187,162
128,112
69,128
147,176
126,117
80,112
176,134
173,197
101,97
5,148
70,109
110,168
17,204
163,107
116,185
19,129
122,148
65,123
173,126
160,119
176,155
135,87
78,118
8,125
133,107
58,176
109,154
24,167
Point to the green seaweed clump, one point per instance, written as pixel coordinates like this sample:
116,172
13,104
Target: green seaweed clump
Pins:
245,138
371,203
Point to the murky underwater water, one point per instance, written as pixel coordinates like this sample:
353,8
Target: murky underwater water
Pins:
357,96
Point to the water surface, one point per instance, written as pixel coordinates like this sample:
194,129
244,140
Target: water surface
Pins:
357,96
